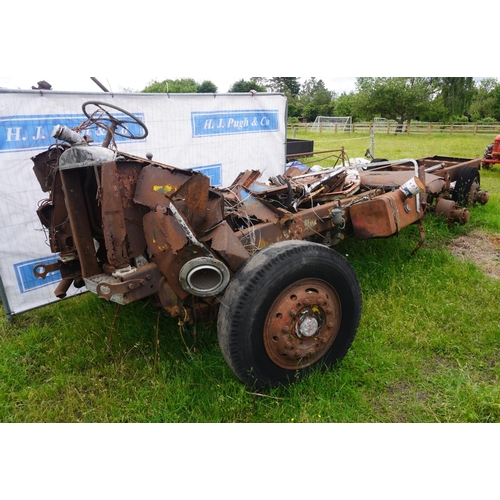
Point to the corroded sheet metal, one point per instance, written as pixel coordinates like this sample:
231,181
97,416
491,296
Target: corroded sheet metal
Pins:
385,179
73,182
246,178
250,206
192,199
128,176
451,166
155,184
113,218
383,216
223,241
53,214
200,206
45,165
163,234
167,247
393,179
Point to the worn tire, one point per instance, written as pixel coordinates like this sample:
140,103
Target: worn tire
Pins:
292,307
467,182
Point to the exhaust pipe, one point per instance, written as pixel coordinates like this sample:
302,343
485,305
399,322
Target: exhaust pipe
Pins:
204,277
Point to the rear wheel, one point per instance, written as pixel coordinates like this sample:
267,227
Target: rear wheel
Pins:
466,187
294,306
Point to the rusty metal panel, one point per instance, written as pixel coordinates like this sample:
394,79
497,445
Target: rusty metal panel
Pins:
155,184
393,179
451,166
54,216
167,246
163,233
383,216
246,178
252,207
385,179
128,175
113,219
79,218
46,165
215,211
192,199
223,241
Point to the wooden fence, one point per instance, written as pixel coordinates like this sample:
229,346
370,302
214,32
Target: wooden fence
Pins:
390,127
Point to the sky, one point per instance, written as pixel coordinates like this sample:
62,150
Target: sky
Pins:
127,47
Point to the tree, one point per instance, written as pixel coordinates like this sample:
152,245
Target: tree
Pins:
317,100
247,86
345,105
400,99
457,94
180,86
207,87
484,102
288,85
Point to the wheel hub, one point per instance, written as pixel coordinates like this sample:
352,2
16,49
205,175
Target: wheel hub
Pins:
307,327
302,324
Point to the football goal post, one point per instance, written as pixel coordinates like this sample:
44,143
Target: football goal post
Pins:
332,123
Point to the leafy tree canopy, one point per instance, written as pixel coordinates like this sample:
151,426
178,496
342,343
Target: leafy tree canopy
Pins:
289,85
316,99
457,94
400,99
181,86
247,86
207,87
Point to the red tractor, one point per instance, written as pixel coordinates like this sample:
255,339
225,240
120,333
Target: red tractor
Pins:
491,154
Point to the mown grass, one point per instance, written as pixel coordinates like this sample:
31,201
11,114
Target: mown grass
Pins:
427,348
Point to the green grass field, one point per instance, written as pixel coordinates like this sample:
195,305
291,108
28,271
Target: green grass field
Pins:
427,349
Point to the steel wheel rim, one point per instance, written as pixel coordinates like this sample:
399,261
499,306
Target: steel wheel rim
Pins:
302,324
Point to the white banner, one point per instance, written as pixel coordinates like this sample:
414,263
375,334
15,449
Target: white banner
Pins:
218,134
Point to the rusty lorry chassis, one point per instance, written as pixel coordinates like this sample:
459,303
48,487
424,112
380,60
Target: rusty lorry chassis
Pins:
259,253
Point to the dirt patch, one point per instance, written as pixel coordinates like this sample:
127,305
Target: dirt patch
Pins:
480,248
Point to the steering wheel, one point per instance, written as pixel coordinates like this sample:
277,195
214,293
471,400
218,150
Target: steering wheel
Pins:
101,115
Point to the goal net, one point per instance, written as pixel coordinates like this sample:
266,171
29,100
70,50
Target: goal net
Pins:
338,123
